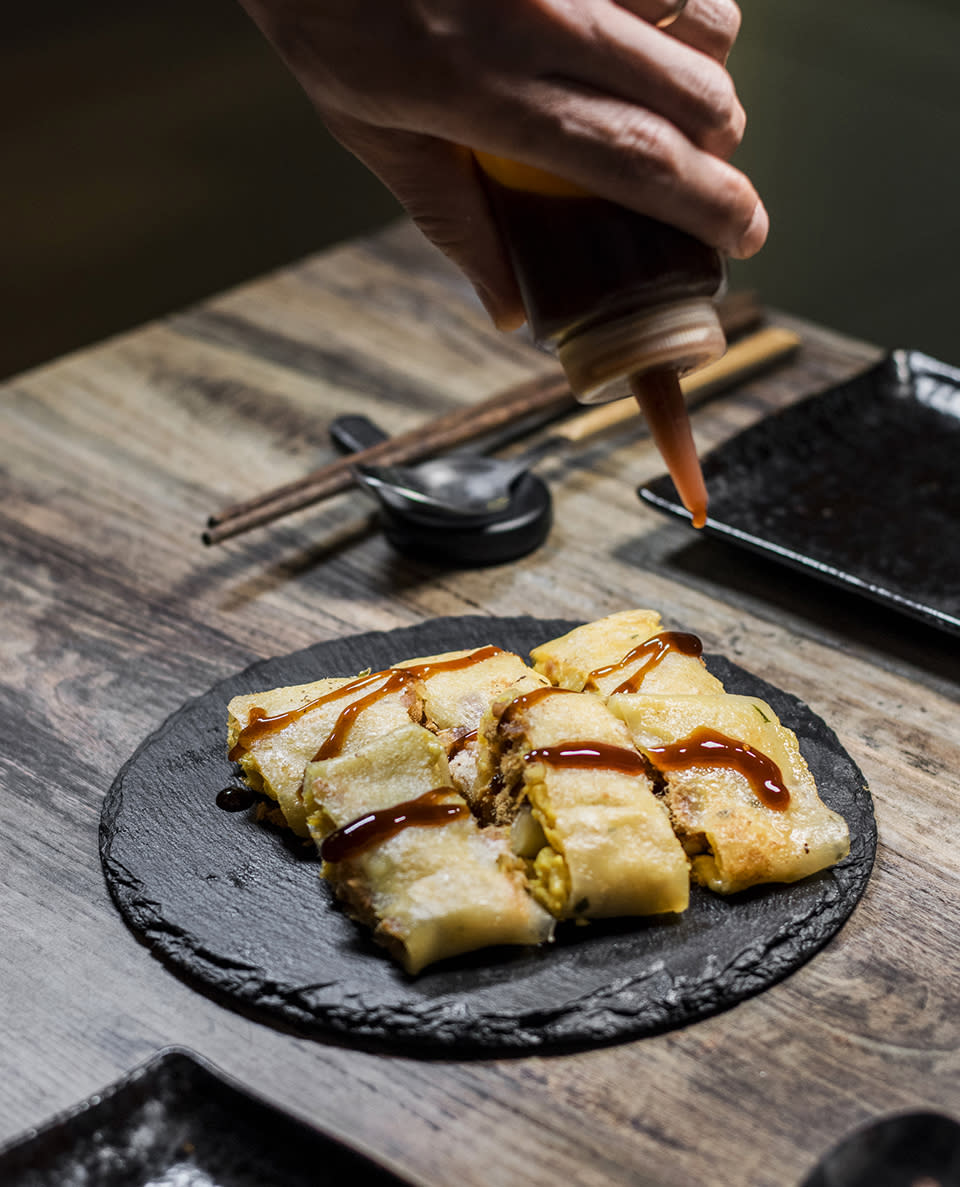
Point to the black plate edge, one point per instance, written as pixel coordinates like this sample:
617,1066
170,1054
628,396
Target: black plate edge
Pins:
27,1147
903,366
802,563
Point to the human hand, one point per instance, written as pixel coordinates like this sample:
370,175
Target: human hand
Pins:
590,90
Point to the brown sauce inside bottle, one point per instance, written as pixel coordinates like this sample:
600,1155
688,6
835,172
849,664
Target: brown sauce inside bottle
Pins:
591,756
652,652
583,260
429,810
709,748
659,395
259,724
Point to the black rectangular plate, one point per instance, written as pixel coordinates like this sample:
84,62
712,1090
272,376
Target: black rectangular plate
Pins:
178,1120
859,485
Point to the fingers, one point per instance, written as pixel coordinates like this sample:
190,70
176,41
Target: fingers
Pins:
661,13
608,49
710,26
436,182
635,157
590,90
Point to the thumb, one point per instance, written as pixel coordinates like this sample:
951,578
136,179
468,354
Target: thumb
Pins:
437,184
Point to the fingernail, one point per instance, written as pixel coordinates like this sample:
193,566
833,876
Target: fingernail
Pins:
754,237
506,318
509,320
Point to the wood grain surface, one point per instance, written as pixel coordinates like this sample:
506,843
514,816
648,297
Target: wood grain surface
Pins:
112,613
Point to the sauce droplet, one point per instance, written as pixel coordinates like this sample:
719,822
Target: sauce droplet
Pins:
652,651
426,811
235,799
660,397
709,748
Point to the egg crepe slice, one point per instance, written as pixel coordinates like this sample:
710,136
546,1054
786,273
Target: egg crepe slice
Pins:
458,688
597,842
427,892
734,839
306,714
598,649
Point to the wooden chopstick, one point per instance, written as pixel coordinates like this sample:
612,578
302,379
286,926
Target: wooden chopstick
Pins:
455,428
738,312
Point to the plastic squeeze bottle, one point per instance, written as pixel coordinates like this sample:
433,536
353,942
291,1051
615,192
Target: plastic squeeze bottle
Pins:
625,302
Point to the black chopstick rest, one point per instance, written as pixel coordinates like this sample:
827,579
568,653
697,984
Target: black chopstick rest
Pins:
473,541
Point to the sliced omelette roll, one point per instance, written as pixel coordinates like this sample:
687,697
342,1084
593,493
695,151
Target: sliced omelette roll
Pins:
741,797
404,853
274,734
563,770
626,652
458,688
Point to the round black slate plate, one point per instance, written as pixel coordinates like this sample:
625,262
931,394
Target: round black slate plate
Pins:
228,905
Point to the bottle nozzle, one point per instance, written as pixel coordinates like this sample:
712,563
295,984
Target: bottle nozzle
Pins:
661,398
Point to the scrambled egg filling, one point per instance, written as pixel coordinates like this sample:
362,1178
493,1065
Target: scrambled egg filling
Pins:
550,881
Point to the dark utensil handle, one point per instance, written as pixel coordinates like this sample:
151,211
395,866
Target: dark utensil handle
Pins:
352,433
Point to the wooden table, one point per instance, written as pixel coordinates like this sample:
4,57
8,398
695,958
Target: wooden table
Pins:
113,613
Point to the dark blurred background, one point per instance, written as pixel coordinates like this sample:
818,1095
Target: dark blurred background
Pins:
155,154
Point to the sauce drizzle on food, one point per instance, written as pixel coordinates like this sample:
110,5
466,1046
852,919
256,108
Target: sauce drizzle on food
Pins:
260,724
425,670
589,756
708,747
333,744
397,679
426,811
525,700
651,651
461,743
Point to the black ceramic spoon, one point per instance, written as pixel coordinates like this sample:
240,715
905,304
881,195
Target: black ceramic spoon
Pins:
907,1150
